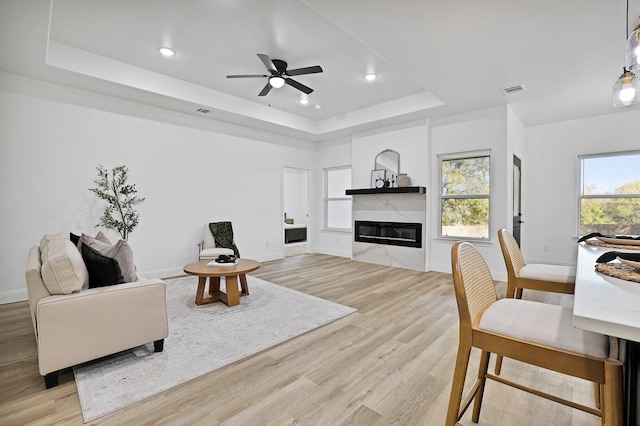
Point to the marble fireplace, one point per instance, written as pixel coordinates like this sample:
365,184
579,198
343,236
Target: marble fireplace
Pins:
390,226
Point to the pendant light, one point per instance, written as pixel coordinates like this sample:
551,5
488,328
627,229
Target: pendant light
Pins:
632,50
626,90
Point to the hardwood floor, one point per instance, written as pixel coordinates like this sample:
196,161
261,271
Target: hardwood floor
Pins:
391,362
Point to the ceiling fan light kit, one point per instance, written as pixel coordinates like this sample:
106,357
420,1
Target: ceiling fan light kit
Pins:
280,75
276,82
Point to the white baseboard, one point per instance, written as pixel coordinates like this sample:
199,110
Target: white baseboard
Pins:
331,252
11,296
162,273
446,268
178,271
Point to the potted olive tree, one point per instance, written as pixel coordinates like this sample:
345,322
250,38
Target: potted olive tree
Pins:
121,198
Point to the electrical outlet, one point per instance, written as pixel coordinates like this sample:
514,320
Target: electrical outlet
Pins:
545,247
266,244
337,239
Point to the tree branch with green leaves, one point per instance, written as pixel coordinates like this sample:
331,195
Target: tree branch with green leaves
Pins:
121,198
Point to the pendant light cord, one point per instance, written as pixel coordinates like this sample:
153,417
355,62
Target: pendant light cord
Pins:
626,35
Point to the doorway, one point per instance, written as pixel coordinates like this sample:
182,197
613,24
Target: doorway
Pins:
295,210
517,198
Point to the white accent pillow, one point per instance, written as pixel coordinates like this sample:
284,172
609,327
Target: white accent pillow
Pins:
63,270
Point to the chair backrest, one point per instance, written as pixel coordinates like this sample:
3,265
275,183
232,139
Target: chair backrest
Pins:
209,241
473,283
510,252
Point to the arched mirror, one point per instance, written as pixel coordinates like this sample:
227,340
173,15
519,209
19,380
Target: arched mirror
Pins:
388,160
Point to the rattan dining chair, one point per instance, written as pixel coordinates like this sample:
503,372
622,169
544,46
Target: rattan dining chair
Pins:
533,276
535,333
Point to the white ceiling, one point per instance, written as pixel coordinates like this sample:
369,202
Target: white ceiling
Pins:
433,58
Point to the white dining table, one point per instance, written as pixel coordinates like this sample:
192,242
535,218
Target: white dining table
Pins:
611,306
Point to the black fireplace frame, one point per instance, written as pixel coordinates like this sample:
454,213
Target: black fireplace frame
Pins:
393,241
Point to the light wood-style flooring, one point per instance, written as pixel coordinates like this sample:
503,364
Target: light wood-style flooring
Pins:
390,363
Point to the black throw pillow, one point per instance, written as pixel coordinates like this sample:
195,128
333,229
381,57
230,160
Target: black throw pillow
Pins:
103,270
74,238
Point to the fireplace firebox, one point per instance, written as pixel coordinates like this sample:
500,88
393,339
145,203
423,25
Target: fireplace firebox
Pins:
390,233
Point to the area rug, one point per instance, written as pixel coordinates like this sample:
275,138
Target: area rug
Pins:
201,339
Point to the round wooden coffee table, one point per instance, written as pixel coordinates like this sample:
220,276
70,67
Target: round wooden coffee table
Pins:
231,275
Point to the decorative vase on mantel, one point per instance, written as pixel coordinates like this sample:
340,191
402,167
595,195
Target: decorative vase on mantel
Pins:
403,180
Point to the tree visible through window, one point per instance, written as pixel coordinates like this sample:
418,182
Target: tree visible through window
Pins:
609,199
464,196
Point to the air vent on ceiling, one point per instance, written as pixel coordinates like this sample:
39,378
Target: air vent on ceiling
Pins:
203,110
514,89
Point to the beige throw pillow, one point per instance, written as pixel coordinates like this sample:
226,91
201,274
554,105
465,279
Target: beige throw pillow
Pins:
121,251
63,270
101,237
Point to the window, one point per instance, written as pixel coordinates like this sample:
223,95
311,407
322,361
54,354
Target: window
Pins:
464,195
337,211
609,194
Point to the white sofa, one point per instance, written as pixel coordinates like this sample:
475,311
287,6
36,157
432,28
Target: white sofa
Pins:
80,324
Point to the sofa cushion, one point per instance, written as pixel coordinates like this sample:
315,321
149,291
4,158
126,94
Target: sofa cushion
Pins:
103,270
121,251
63,271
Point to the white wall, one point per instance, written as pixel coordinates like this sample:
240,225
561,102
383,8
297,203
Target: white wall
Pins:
295,197
551,173
410,140
52,138
334,153
516,145
193,171
480,130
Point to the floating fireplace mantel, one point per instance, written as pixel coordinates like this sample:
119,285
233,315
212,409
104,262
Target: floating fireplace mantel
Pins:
390,233
403,190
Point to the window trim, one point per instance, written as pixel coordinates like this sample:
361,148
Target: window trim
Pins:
580,186
456,156
326,199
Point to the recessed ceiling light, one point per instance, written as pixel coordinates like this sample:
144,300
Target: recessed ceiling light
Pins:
304,101
370,76
318,106
166,51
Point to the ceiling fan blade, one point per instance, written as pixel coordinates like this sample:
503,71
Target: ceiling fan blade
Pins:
247,76
306,70
265,90
266,60
298,86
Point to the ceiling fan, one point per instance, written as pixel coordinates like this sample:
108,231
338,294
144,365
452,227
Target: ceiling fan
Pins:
280,75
